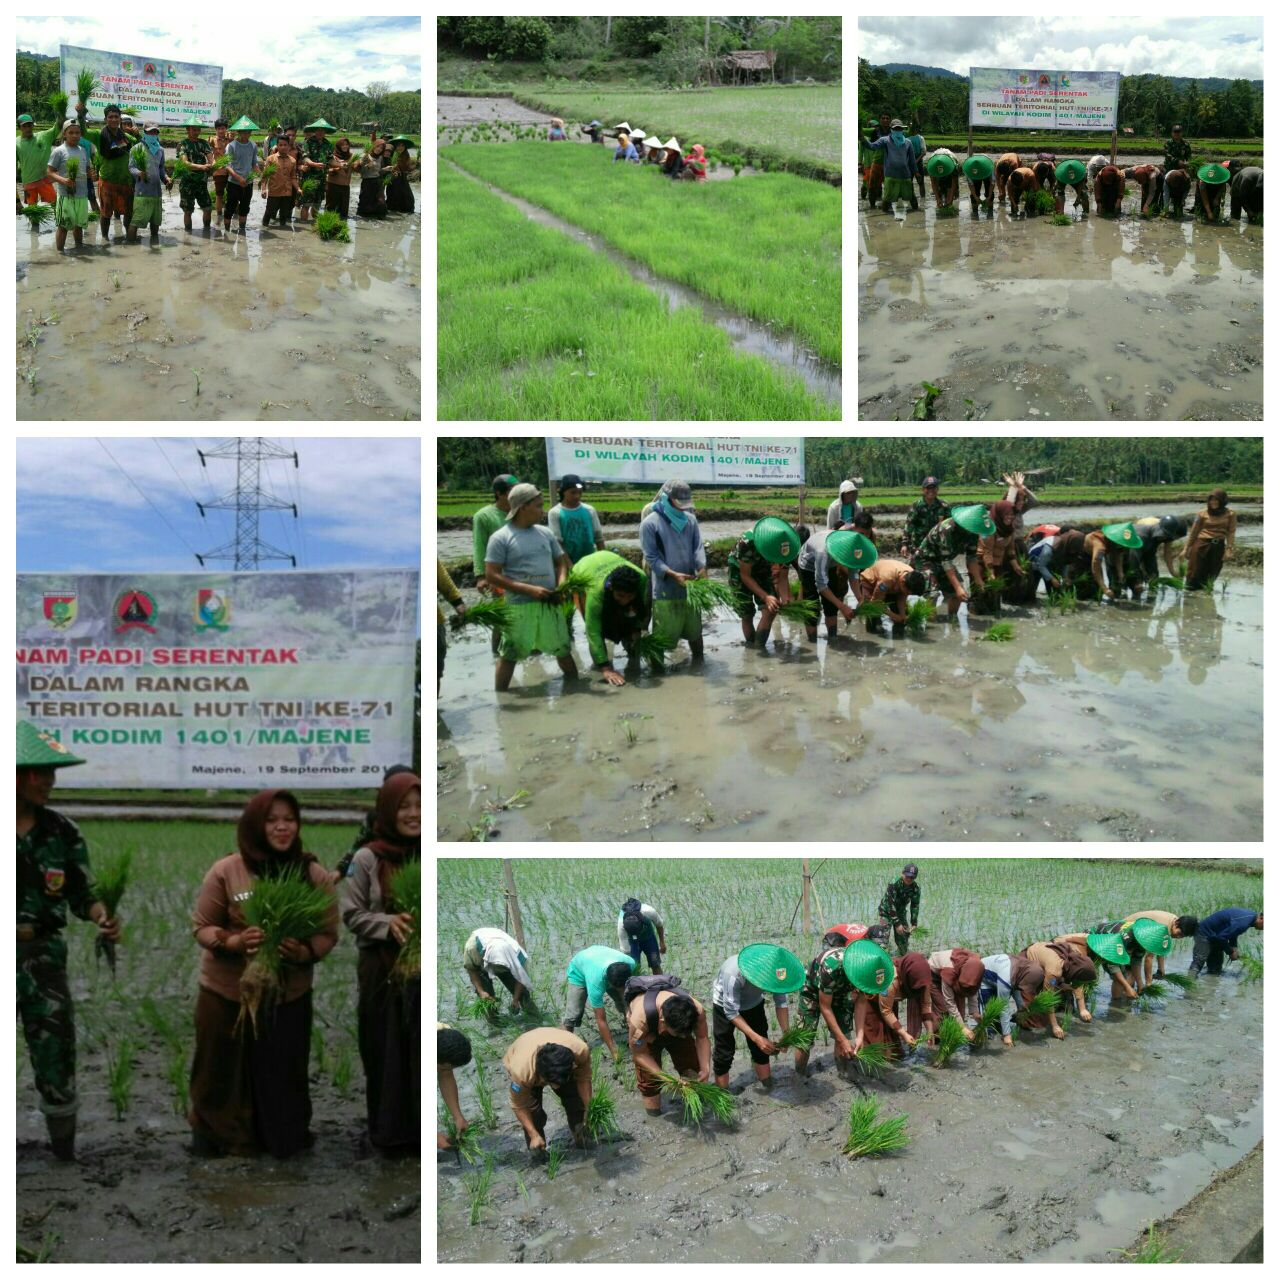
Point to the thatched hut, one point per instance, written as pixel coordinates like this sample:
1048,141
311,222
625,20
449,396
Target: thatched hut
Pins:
742,67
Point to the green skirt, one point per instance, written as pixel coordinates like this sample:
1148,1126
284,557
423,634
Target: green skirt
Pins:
897,189
71,211
535,628
147,210
676,620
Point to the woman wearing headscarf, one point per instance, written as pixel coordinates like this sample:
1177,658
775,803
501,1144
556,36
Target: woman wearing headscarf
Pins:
695,167
998,555
1211,541
390,1003
913,982
1064,968
673,158
337,192
249,1088
1012,978
371,166
399,193
955,976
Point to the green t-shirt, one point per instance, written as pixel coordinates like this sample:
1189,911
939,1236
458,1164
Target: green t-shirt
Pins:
587,969
33,154
599,565
484,524
112,168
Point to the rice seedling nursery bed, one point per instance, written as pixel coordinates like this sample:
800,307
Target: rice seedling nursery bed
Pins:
532,326
1150,1131
183,1209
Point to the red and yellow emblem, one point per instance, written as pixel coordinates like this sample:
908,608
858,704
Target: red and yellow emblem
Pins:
54,881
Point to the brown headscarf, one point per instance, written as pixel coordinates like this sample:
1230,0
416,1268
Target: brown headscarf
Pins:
251,835
1026,977
964,974
391,847
1221,495
914,979
1070,546
1077,969
1003,514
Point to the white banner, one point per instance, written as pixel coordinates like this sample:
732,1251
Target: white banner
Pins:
1021,99
701,460
158,88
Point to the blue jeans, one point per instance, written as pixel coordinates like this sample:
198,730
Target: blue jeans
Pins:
647,943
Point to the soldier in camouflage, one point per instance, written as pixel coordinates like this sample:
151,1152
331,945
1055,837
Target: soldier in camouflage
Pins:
53,873
366,832
902,897
827,996
925,512
747,556
1177,151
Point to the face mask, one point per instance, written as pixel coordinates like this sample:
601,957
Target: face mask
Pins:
897,135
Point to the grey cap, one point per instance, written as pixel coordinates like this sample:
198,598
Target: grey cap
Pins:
519,496
680,496
911,870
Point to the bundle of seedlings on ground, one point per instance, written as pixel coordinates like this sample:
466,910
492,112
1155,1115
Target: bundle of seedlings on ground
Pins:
919,614
330,226
601,1119
1183,981
485,1007
1062,220
872,609
112,877
871,1136
1042,202
706,594
651,649
87,84
285,907
406,896
492,615
805,611
1178,584
999,632
947,211
37,214
465,1142
120,1074
950,1038
478,1185
698,1097
989,1019
1040,1005
798,1037
872,1058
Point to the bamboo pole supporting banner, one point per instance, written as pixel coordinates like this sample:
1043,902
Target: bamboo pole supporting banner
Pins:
512,903
806,878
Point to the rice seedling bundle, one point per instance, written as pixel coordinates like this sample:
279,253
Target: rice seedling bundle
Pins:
181,169
576,583
112,878
330,226
871,1136
999,632
1042,1003
602,1110
1064,601
87,84
57,104
269,171
989,1019
1183,981
798,1037
488,1115
653,650
805,611
1156,991
37,214
706,594
1178,584
406,894
465,1142
872,1058
284,907
73,170
221,162
1062,220
871,609
950,1037
120,1074
492,615
1064,1017
919,614
994,585
698,1097
139,157
485,1007
947,211
555,1158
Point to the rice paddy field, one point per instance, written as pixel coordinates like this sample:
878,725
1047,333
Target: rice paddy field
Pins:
1151,1100
136,1194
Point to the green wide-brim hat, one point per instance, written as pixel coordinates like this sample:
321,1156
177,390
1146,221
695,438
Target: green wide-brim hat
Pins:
1109,947
322,123
400,137
1153,936
193,120
776,540
243,123
1213,174
1123,535
977,168
40,750
868,966
974,519
772,969
1070,171
940,166
854,551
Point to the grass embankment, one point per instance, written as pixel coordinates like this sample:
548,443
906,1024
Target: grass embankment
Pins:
768,247
1203,149
533,326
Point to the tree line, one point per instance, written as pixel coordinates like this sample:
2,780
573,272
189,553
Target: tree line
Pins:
398,111
1148,104
893,462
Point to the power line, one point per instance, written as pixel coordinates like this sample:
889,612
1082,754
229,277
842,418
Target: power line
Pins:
155,440
146,499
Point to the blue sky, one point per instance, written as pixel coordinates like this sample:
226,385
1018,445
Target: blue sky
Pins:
359,503
274,46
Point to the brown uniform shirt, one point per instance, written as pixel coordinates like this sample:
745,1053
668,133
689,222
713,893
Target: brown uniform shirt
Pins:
1050,961
520,1063
892,573
339,174
638,1024
281,182
1222,525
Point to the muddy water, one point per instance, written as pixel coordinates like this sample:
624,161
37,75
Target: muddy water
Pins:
280,324
1121,722
746,335
1045,1152
1124,319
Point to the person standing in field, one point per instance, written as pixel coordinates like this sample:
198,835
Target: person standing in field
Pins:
484,524
1211,542
866,160
368,826
615,607
337,196
1177,151
844,508
399,192
575,524
672,546
489,954
453,1050
926,511
641,930
317,151
53,874
593,974
34,150
899,167
900,906
663,1017
373,195
917,145
245,163
946,544
249,1081
737,1001
445,587
148,203
193,186
115,188
218,145
71,212
281,189
1218,936
555,131
548,1058
390,1003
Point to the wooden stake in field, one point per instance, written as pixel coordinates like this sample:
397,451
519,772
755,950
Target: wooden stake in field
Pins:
808,889
512,901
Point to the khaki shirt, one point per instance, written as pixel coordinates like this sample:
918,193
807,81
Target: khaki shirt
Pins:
892,573
1165,918
1049,961
638,1024
519,1062
281,182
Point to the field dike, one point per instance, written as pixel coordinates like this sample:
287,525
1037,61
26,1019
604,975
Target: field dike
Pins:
748,336
1048,1152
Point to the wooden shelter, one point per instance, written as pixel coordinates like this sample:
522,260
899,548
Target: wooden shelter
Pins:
742,67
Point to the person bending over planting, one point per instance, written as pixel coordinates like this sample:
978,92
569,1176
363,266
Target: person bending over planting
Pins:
827,994
615,607
1150,180
1106,549
489,954
695,167
663,1017
1064,969
1014,979
453,1050
998,554
1158,534
869,968
944,177
1246,190
737,1001
1071,173
1211,186
900,900
593,974
826,563
759,568
640,929
947,544
979,174
1108,190
548,1058
911,981
1177,183
1217,936
672,545
956,976
1116,960
1178,927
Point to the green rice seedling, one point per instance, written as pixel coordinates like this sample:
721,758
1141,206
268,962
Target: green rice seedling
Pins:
485,1007
1064,1016
112,878
555,1158
1250,969
999,632
57,101
139,157
919,614
1183,981
805,611
871,1136
181,169
707,594
465,1142
32,336
630,730
1042,1003
492,615
268,171
286,907
1178,584
195,373
1062,220
798,1036
1154,1248
406,894
87,84
1064,601
177,1072
950,1038
652,649
1156,990
73,170
522,1189
220,162
115,281
478,1186
872,1059
699,1097
342,1072
31,375
989,1019
994,585
44,1253
120,1074
947,211
1090,994
602,1110
37,215
330,226
488,1114
872,609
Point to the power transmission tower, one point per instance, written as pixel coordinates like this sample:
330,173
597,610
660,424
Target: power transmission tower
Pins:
248,501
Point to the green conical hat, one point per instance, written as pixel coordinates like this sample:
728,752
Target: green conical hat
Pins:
195,120
1070,171
1123,535
402,137
854,551
940,166
868,966
974,519
40,750
322,123
1153,936
772,969
1109,947
976,168
776,540
1213,174
243,123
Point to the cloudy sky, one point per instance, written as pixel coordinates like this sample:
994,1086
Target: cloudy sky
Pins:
1174,46
359,503
274,46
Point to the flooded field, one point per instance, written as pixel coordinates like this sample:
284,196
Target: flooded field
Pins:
1018,320
279,324
1136,721
1045,1152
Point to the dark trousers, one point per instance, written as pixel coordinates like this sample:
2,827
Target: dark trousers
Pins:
1205,561
279,208
390,1037
1207,950
726,1037
648,944
574,1111
44,1004
337,199
236,200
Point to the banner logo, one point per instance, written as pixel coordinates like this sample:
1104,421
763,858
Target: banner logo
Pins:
60,609
126,65
135,608
213,610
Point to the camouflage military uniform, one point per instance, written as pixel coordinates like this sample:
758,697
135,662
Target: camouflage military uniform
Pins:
942,544
53,873
920,519
757,566
320,149
193,188
1177,151
826,974
898,899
